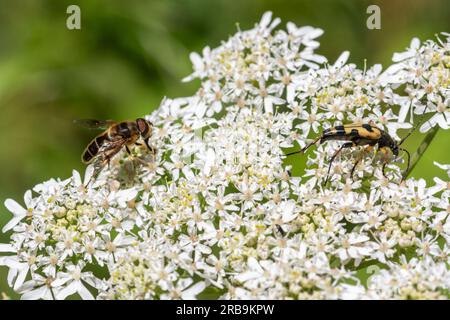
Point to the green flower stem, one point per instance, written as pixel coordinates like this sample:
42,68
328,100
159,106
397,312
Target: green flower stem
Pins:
421,150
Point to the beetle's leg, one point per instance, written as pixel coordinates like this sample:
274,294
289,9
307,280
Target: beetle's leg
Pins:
384,151
407,165
360,157
354,166
384,170
345,145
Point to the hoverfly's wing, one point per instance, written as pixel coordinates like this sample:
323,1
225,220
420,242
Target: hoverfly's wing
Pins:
94,124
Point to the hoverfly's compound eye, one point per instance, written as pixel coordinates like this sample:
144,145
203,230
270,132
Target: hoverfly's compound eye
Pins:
142,125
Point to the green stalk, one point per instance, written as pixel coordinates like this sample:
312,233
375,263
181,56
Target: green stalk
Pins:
421,150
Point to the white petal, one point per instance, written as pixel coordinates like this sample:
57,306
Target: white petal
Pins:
192,292
76,177
243,277
200,109
376,69
27,197
429,124
442,123
400,56
11,276
15,208
314,33
291,27
12,223
84,292
34,294
196,61
210,158
342,59
268,106
21,277
290,93
254,265
88,174
27,286
4,247
442,166
403,112
187,172
265,20
288,212
352,252
60,281
67,291
415,43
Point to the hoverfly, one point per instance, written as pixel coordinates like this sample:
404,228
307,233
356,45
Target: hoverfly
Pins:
116,136
361,135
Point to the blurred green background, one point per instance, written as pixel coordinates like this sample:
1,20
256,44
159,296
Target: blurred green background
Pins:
130,54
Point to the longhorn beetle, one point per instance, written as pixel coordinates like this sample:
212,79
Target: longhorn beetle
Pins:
360,135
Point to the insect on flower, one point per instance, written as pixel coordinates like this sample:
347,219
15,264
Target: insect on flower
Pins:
361,135
117,135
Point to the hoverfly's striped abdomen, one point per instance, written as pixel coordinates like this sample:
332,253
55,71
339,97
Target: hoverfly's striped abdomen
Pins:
93,148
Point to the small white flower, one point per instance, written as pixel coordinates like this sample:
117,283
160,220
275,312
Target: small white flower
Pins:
71,282
18,211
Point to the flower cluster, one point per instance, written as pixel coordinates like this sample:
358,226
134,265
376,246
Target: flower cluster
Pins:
425,70
218,212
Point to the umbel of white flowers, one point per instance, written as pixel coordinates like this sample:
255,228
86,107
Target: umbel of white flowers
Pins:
218,213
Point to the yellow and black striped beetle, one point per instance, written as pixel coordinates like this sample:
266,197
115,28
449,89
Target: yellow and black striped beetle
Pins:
360,135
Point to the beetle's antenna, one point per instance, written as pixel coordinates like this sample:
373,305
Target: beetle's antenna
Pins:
409,133
295,152
414,128
306,147
408,163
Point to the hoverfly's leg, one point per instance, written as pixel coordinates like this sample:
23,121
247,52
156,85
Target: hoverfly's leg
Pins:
95,172
106,161
150,148
345,145
89,182
128,150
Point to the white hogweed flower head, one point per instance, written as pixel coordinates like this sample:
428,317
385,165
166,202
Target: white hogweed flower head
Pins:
217,212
